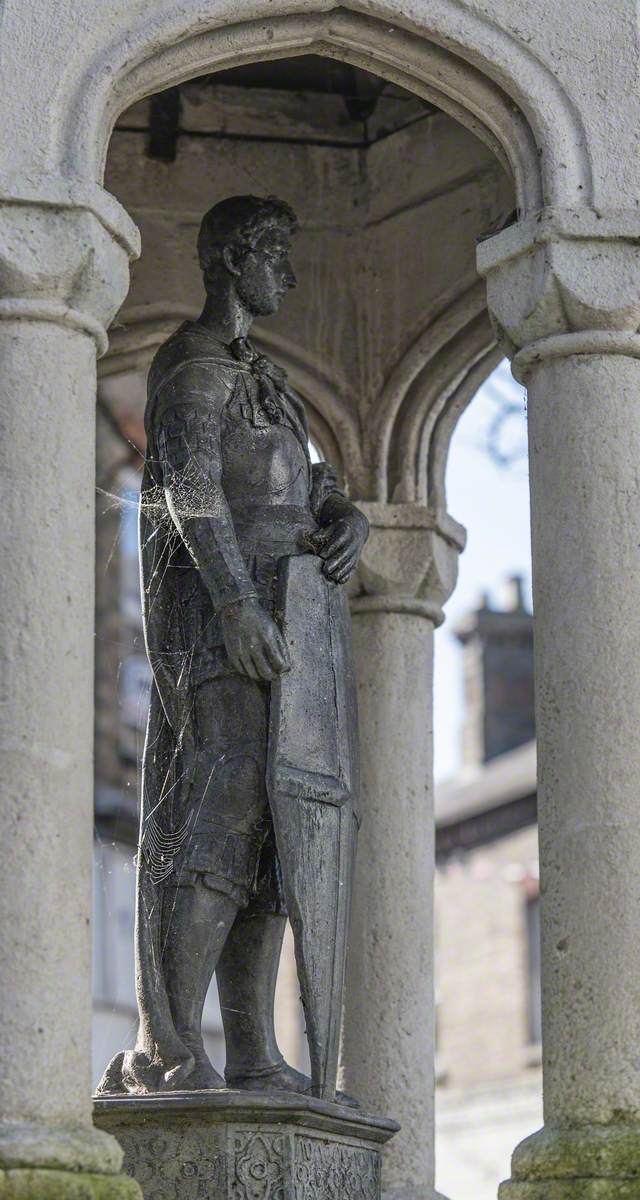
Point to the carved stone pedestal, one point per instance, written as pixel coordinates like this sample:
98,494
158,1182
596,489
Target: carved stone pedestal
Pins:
236,1146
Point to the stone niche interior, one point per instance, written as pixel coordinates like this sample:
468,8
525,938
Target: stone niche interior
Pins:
388,320
392,195
386,336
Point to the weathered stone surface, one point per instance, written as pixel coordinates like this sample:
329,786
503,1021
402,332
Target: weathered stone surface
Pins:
231,1146
572,312
604,1151
62,279
33,1184
575,1189
564,283
24,1144
409,563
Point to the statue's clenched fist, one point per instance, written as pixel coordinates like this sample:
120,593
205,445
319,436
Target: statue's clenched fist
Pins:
340,544
253,641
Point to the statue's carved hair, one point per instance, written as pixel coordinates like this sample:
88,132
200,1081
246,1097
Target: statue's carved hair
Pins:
238,222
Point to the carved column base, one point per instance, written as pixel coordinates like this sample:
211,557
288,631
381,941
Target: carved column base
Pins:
41,1184
58,1163
592,1162
571,1189
237,1146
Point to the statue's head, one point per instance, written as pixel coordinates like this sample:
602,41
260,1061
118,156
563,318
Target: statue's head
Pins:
249,239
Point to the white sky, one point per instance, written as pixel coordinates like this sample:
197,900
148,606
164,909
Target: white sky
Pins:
492,502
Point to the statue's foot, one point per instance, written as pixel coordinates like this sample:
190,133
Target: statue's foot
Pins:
111,1083
134,1073
281,1078
203,1078
143,1075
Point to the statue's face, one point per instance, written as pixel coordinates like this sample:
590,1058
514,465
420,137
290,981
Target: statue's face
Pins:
266,273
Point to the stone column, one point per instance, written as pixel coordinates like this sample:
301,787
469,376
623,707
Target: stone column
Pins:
64,256
565,294
407,572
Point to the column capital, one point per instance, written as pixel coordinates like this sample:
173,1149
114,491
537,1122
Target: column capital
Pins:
65,249
562,282
410,562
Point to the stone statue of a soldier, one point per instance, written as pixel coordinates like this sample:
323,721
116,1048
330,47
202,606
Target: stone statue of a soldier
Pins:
229,494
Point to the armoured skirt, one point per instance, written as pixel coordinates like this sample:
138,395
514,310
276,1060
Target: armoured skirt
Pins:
211,820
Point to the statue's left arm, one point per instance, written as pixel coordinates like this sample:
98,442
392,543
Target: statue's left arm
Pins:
343,528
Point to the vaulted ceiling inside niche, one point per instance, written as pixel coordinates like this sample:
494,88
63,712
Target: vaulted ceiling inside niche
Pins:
392,194
301,99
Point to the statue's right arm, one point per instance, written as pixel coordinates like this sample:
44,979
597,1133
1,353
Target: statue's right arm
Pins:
188,438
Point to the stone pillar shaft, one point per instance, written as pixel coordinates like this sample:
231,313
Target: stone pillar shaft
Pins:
63,276
584,421
389,1037
407,571
46,639
565,296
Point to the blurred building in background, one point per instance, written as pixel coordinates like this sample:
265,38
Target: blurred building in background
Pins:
487,910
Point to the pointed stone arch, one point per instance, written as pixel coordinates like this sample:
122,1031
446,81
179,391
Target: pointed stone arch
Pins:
459,60
478,73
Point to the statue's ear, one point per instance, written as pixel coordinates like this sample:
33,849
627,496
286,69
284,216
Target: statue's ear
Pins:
229,261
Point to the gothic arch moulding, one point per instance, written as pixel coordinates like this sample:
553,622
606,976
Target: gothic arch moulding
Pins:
467,65
420,389
477,72
423,398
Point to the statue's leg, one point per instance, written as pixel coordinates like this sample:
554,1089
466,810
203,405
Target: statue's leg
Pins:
196,925
247,972
213,875
159,1061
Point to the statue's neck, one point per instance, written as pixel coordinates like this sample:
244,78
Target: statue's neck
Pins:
223,314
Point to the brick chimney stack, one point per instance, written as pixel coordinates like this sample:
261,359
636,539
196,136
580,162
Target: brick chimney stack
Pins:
498,676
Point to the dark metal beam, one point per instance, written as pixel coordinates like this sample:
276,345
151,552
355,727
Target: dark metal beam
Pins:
164,125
